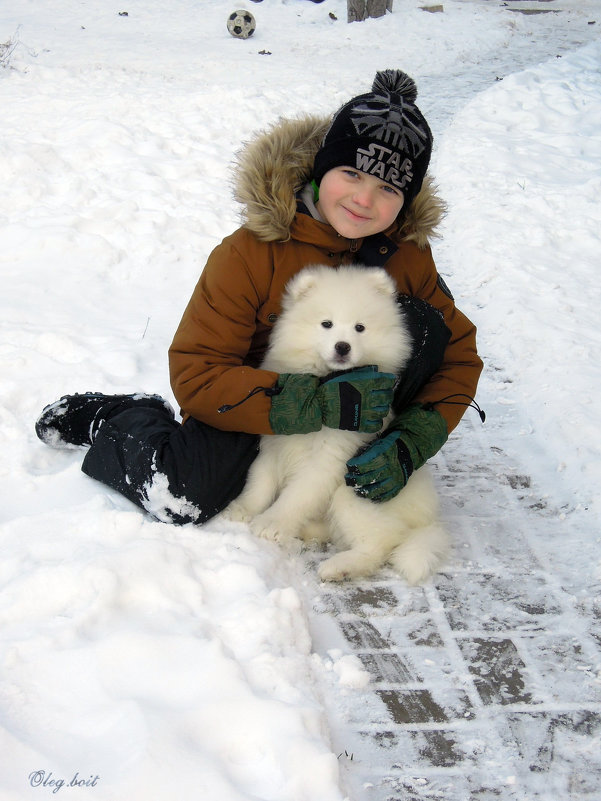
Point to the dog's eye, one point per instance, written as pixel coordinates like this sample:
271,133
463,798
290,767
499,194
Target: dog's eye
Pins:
327,324
359,327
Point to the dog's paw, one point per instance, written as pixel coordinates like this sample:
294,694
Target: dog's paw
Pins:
237,512
265,532
415,566
416,574
422,554
270,530
341,566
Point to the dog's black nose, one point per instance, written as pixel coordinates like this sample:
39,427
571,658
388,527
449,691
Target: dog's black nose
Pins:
342,348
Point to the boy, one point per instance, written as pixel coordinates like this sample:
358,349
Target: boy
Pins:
353,189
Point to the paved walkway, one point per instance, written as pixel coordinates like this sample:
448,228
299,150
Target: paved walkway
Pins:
485,683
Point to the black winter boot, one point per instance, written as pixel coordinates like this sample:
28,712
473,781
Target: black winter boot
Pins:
73,420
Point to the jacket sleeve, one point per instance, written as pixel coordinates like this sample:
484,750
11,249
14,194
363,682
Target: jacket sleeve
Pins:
212,343
461,366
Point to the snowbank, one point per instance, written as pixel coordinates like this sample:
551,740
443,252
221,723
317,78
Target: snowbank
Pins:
521,168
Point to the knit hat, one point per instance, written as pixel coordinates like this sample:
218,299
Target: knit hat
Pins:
381,133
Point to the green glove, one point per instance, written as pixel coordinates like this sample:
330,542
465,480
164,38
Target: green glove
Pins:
381,469
353,400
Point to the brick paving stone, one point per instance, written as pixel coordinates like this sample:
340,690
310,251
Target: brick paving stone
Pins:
499,672
391,668
412,706
363,635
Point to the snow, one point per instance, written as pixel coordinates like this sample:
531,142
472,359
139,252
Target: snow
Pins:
534,253
154,662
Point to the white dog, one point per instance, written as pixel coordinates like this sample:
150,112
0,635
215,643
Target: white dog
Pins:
332,320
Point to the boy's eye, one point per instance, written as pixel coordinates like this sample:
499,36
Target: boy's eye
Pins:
351,173
359,327
390,189
327,324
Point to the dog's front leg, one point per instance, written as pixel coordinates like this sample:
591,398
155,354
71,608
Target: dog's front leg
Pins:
258,493
299,502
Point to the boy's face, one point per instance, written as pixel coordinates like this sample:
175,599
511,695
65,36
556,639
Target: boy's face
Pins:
356,204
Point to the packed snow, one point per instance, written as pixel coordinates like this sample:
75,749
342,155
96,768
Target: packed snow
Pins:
150,662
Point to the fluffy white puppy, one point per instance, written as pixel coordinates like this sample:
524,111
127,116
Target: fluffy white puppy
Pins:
339,319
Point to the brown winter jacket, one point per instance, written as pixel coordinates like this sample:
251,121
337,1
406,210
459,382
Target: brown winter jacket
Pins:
224,331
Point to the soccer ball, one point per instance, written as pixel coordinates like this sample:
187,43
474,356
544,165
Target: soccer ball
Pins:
241,24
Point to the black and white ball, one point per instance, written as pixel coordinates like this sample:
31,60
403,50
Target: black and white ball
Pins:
241,24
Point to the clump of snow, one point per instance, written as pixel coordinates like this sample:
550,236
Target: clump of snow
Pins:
347,668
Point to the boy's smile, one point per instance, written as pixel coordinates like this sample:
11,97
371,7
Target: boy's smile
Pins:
356,204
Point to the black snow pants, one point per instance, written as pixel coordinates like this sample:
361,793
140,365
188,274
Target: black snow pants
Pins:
187,473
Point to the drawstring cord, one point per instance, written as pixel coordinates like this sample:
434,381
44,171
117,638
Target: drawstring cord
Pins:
269,391
471,405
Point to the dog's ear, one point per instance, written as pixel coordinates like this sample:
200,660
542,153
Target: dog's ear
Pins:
302,283
382,282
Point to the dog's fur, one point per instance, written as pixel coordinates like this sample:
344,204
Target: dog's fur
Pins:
296,486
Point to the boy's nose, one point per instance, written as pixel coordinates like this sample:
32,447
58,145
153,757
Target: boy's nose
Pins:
363,197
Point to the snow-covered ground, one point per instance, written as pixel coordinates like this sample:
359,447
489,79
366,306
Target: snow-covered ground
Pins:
148,662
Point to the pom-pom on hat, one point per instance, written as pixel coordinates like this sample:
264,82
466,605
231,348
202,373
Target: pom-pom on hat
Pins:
381,133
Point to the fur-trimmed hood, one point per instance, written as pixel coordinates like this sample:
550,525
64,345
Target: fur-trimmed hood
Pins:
277,163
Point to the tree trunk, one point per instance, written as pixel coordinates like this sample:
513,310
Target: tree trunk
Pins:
376,8
358,10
